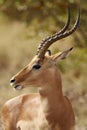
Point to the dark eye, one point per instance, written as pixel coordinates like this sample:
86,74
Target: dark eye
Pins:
36,66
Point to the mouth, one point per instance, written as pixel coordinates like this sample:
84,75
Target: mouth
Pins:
16,87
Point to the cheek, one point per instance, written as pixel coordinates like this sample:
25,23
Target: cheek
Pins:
36,78
30,80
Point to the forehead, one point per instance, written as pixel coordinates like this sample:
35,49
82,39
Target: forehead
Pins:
36,59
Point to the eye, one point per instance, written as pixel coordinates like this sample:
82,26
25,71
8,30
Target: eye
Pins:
36,66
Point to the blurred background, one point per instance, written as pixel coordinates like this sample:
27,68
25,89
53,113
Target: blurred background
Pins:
23,24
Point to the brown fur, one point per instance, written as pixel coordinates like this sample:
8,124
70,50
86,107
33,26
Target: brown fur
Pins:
46,110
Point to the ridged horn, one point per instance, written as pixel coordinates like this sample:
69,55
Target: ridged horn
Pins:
45,44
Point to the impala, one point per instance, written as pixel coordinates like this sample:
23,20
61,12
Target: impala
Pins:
48,109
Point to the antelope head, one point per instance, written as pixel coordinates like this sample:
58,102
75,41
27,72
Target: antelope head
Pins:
43,64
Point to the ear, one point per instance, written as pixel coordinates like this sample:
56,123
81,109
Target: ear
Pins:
48,53
61,55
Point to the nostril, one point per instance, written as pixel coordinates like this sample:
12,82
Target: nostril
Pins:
12,80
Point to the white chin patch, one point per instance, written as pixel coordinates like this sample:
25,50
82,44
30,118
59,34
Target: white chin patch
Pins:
11,84
17,87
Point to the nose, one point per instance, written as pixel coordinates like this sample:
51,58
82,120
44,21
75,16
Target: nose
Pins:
12,80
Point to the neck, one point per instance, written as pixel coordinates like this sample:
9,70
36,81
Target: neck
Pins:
52,97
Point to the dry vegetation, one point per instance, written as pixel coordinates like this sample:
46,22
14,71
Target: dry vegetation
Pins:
18,43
